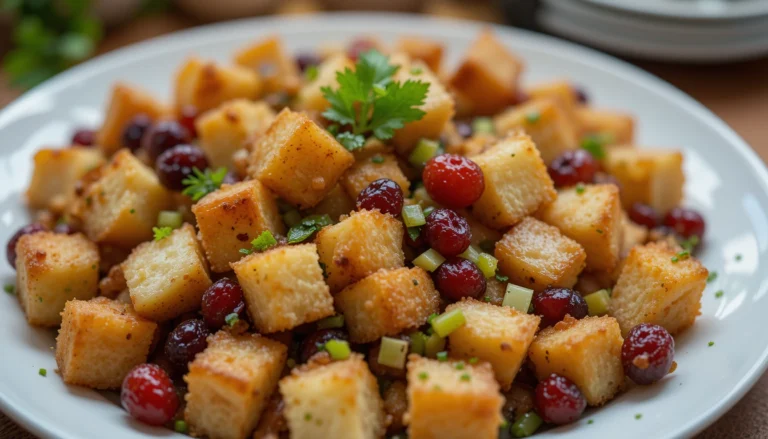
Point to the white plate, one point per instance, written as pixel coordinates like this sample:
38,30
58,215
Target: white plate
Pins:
726,181
715,10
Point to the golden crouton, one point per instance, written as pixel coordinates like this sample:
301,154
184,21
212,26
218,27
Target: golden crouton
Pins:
167,278
277,69
660,286
632,235
483,237
560,90
125,103
495,291
233,216
615,127
51,269
586,351
284,287
417,48
56,173
371,168
206,85
310,96
230,382
478,143
100,341
335,204
499,335
337,400
113,284
395,405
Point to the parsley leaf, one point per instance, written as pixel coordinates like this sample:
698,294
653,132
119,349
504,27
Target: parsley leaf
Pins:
9,288
501,278
307,227
161,232
264,241
595,144
201,183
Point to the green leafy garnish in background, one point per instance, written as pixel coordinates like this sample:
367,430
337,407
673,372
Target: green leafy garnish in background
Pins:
202,183
307,227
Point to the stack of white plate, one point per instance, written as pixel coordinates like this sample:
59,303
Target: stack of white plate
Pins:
668,30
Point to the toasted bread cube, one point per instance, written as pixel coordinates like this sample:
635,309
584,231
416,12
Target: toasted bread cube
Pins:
516,182
591,216
365,171
298,159
618,128
206,85
395,405
335,204
387,302
277,69
560,90
483,237
121,207
337,400
348,258
632,235
487,79
586,351
233,216
499,335
310,96
417,48
449,403
56,171
230,382
224,130
653,288
284,287
51,269
546,122
100,341
650,176
536,255
125,102
167,278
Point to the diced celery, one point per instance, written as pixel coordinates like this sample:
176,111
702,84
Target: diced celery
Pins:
483,125
517,297
487,264
442,356
525,425
392,352
434,344
331,322
418,342
413,216
598,302
448,322
428,210
292,218
429,260
424,150
338,349
471,253
169,218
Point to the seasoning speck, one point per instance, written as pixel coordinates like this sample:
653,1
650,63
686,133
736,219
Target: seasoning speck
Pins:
9,288
423,375
719,294
42,372
590,421
580,188
638,416
711,343
712,276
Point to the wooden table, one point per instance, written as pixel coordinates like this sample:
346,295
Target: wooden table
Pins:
738,93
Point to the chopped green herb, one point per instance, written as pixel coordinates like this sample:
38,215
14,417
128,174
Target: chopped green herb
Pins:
473,360
719,294
465,377
501,278
487,298
483,125
307,416
590,421
532,116
459,365
738,256
377,159
202,183
232,319
132,211
433,345
416,70
712,276
338,349
161,232
42,372
683,255
428,210
638,416
442,356
264,241
504,424
9,288
595,144
307,228
690,243
512,155
311,73
336,321
423,375
448,322
711,343
246,251
180,426
580,188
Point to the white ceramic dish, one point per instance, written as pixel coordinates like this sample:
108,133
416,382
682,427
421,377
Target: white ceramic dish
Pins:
714,10
726,181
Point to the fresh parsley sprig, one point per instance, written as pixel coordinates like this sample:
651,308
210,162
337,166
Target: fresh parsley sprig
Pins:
161,232
307,227
202,183
262,242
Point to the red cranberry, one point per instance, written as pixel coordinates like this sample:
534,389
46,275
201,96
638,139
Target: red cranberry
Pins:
307,59
647,353
10,249
358,47
148,395
177,163
447,232
163,136
464,128
453,180
185,341
316,341
64,229
134,131
573,167
458,277
685,222
221,299
554,303
382,194
187,117
581,95
84,137
558,400
644,215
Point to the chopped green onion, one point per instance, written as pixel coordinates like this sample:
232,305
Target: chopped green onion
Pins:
690,244
448,322
292,218
377,159
638,416
532,116
42,372
413,216
429,260
338,349
311,73
580,188
425,150
442,356
434,345
595,144
487,264
392,352
180,426
418,342
428,210
169,218
423,375
471,253
525,425
473,360
502,278
719,294
598,302
517,297
483,125
459,365
712,276
331,322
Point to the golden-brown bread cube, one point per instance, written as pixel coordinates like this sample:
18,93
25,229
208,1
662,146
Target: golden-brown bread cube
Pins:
337,400
310,96
650,176
225,129
51,269
560,90
395,405
233,216
125,102
387,302
477,144
371,168
298,159
653,288
487,79
590,215
615,127
545,121
445,402
284,287
230,382
348,257
499,335
516,182
335,204
167,278
536,255
495,291
121,207
206,85
268,58
483,237
113,284
632,235
586,351
55,174
418,48
100,341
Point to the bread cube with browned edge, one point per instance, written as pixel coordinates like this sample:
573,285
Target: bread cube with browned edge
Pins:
52,268
546,122
206,84
560,90
516,182
336,400
227,128
387,302
487,79
167,277
100,341
418,48
536,255
310,95
613,127
335,204
233,216
370,168
658,285
348,258
499,335
269,59
125,103
452,403
298,159
121,206
395,405
650,176
632,235
230,383
55,174
590,215
284,287
586,351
